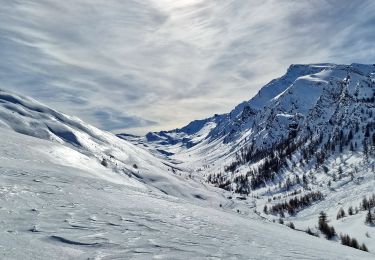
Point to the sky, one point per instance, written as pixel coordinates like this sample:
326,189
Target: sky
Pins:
145,65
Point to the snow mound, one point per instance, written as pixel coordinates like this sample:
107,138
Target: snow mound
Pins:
133,164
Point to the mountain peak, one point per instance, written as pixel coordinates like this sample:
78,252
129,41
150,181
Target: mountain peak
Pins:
298,92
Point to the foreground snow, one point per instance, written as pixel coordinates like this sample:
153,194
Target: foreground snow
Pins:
53,208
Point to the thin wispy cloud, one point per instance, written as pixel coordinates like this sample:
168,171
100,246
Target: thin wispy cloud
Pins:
143,65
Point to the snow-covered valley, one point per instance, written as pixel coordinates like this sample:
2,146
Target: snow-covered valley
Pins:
308,132
58,209
71,191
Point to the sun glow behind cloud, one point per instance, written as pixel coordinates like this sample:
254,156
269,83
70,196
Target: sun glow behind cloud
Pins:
157,64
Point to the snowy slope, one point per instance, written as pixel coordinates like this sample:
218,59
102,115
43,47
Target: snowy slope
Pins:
311,130
59,209
137,166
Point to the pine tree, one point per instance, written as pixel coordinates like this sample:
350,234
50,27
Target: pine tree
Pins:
345,240
365,204
354,243
328,231
363,247
369,218
322,218
341,213
291,225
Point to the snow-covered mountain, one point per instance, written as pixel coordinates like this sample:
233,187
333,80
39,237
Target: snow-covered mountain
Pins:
71,191
304,144
307,102
230,186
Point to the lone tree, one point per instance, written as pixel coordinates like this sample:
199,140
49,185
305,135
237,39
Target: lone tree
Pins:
350,211
363,247
341,213
369,217
291,225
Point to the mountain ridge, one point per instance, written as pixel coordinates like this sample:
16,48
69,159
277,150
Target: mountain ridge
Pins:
224,124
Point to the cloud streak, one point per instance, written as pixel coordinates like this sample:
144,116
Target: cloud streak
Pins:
143,65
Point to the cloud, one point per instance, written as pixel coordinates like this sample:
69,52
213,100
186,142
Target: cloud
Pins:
158,64
109,119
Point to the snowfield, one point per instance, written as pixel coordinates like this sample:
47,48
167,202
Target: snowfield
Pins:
55,209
